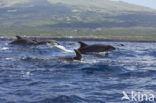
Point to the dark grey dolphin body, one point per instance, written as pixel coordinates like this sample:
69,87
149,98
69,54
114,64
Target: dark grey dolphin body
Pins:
84,48
23,41
77,57
52,42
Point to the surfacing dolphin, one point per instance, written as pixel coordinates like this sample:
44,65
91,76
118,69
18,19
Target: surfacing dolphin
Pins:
78,57
52,42
24,41
84,48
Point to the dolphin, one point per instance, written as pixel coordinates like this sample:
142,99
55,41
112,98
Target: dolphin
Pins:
78,57
85,48
23,41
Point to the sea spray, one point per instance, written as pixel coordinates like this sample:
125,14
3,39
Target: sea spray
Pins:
63,48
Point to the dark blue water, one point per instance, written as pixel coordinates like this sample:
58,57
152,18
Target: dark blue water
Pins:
28,76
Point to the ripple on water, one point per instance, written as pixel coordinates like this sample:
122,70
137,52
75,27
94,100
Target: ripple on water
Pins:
63,99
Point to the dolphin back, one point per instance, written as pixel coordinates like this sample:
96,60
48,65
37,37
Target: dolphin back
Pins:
97,48
78,55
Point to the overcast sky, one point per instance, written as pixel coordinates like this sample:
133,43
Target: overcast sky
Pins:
148,3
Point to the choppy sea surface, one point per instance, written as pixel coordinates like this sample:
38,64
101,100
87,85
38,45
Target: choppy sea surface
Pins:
29,75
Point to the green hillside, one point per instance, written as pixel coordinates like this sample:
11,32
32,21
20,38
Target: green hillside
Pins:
89,18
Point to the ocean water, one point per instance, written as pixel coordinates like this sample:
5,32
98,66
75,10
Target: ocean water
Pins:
29,75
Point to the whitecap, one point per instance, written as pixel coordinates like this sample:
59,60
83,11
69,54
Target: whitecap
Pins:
9,58
25,74
4,48
63,48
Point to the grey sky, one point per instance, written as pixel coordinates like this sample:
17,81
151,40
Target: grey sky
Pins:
148,3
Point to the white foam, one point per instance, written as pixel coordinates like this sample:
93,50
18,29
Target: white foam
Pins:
9,58
63,48
89,61
4,48
25,74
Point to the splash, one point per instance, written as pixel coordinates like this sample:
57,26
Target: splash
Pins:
4,48
63,48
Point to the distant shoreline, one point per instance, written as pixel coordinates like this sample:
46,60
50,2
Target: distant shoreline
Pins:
71,38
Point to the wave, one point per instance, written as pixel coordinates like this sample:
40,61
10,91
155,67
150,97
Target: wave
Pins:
138,74
104,68
63,99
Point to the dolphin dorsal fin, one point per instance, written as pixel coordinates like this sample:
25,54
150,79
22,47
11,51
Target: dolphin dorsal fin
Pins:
18,37
82,44
78,55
